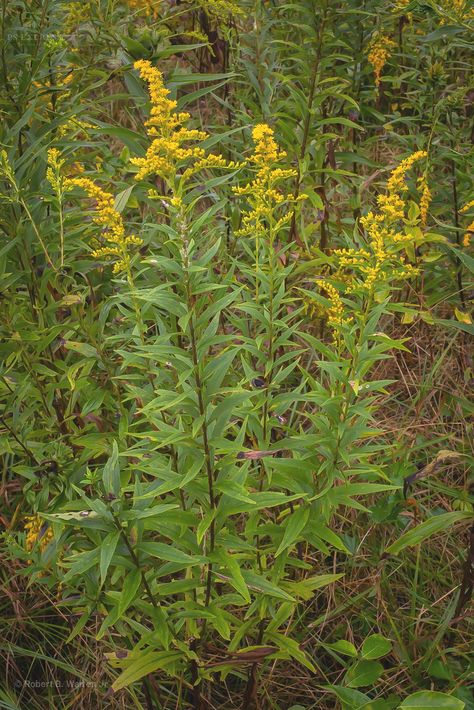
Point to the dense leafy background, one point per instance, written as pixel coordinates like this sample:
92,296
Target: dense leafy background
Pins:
333,552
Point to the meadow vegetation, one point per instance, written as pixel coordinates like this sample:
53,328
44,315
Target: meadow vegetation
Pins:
235,357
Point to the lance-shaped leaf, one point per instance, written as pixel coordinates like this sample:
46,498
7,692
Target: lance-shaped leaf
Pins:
146,663
294,526
429,527
107,550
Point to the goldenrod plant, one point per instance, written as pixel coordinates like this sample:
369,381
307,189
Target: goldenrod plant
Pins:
235,434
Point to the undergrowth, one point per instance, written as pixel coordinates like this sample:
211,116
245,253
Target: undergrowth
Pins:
235,368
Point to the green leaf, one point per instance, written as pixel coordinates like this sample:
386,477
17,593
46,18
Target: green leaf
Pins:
305,588
294,526
81,348
260,584
345,648
79,625
430,699
82,562
363,673
107,550
429,527
129,590
171,554
351,699
146,663
232,566
375,646
111,473
291,647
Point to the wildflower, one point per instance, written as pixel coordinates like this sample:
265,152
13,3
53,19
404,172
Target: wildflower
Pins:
170,144
53,173
76,14
400,7
396,182
466,240
425,199
218,8
381,260
149,6
336,315
457,10
392,206
54,43
111,221
379,53
72,126
470,228
211,161
37,531
266,149
262,192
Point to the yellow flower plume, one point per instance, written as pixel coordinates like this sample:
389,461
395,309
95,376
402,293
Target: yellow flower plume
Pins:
170,144
173,144
470,228
113,229
378,55
37,531
262,192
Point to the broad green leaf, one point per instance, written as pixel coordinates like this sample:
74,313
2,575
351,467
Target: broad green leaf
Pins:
346,648
305,588
79,625
431,699
82,562
375,646
237,580
292,648
351,699
260,584
363,673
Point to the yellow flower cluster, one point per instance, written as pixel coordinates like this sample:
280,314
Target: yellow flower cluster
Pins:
218,8
470,228
392,206
459,10
261,192
111,222
396,182
76,13
73,126
335,313
37,531
266,149
379,53
211,161
382,260
47,92
149,6
401,4
53,172
425,199
169,146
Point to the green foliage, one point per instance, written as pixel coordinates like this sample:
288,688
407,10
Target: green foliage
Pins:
200,373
